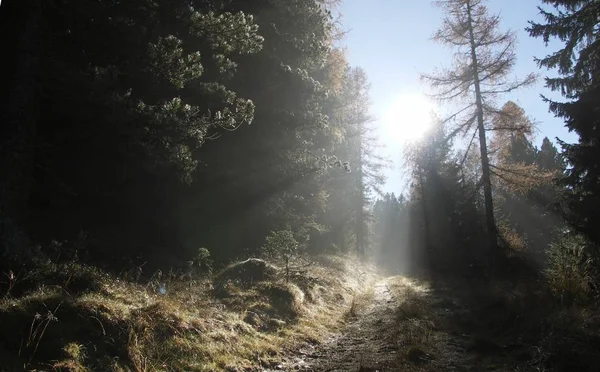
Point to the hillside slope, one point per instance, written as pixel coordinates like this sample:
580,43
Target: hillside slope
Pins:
77,318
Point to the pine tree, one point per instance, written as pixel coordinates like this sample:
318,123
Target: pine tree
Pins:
443,204
575,23
483,60
390,231
125,95
270,175
549,159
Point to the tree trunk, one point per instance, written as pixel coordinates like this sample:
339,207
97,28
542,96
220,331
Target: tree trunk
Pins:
427,234
485,163
21,44
358,228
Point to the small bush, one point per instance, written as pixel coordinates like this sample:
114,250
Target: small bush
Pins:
202,262
569,271
282,244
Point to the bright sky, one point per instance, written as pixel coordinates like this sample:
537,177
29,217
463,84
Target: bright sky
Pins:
391,40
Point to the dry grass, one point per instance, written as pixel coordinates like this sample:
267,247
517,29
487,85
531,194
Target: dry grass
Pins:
360,301
415,326
122,326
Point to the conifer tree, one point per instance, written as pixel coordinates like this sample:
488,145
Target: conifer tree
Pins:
483,60
575,23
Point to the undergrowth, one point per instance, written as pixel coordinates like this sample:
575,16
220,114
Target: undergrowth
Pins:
516,323
72,317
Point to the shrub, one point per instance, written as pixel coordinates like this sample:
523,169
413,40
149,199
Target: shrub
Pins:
570,268
282,244
202,261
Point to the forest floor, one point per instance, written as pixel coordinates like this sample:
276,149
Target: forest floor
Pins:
411,325
330,313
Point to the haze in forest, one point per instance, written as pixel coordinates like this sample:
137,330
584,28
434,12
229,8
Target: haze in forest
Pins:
277,185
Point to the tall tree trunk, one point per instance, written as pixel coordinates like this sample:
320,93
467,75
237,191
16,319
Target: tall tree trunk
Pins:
428,260
359,228
360,203
21,35
427,231
485,163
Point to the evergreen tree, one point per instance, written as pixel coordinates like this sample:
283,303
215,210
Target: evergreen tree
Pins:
443,204
575,23
524,198
270,175
390,231
126,93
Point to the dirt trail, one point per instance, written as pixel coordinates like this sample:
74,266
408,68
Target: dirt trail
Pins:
408,327
366,343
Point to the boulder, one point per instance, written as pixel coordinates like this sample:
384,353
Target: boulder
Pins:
248,272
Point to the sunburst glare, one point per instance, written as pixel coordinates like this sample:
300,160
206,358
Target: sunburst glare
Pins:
407,119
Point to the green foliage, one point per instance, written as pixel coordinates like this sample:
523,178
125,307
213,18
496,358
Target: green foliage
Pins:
202,261
281,243
570,269
582,178
143,88
278,171
575,24
138,87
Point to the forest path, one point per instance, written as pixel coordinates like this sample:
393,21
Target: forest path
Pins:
365,344
406,325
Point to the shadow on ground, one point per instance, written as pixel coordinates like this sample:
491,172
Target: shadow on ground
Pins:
458,325
507,325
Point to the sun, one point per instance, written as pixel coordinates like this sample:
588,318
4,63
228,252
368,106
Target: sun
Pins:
408,118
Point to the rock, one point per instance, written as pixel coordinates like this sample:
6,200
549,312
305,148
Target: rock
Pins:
248,272
253,319
285,299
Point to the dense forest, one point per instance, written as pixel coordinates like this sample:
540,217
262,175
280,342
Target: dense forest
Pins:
151,136
154,129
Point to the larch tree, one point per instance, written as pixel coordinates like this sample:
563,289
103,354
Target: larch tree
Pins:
512,155
351,192
483,59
